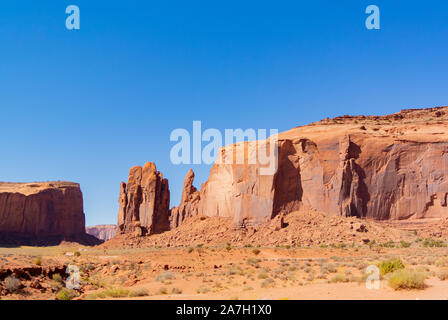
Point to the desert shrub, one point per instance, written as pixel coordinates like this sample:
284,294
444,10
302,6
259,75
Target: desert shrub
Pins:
338,278
165,276
430,243
388,244
77,254
253,262
12,284
228,247
139,292
176,291
116,292
443,274
256,252
405,244
234,270
162,291
389,266
268,283
406,279
203,289
190,249
65,294
38,261
263,275
57,277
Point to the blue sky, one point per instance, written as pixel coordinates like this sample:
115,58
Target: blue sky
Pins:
86,105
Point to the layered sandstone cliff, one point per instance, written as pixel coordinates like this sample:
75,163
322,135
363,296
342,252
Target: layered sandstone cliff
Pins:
39,210
144,202
103,231
378,167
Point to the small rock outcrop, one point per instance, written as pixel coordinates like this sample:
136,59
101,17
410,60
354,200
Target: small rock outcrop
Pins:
144,202
103,231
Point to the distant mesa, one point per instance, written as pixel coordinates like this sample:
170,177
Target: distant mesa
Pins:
42,213
103,231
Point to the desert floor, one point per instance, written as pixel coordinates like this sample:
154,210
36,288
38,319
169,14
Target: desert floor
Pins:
227,272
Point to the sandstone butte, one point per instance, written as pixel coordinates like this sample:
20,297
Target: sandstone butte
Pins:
42,212
103,231
390,167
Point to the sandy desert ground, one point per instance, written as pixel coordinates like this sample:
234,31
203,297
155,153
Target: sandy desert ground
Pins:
225,272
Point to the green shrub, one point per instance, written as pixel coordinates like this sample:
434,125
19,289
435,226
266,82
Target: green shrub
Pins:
37,261
66,294
389,266
57,277
429,242
406,279
116,293
405,244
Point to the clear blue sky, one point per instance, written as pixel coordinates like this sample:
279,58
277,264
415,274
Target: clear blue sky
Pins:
87,105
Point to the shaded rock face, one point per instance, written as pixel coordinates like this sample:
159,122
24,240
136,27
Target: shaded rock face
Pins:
378,167
103,232
144,202
50,209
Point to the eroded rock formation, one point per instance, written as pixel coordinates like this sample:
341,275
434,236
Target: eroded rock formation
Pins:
41,209
379,167
103,231
144,202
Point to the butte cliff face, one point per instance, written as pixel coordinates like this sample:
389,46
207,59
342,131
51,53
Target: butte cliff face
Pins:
103,231
144,202
39,210
378,167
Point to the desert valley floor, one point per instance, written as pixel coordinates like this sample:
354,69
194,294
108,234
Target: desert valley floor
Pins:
237,269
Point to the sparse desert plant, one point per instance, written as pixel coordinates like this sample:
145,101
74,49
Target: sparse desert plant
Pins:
256,251
162,291
66,294
267,283
139,292
190,249
389,266
165,276
263,275
338,278
443,274
57,277
203,289
38,261
116,292
406,279
77,254
12,284
430,243
176,291
405,244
